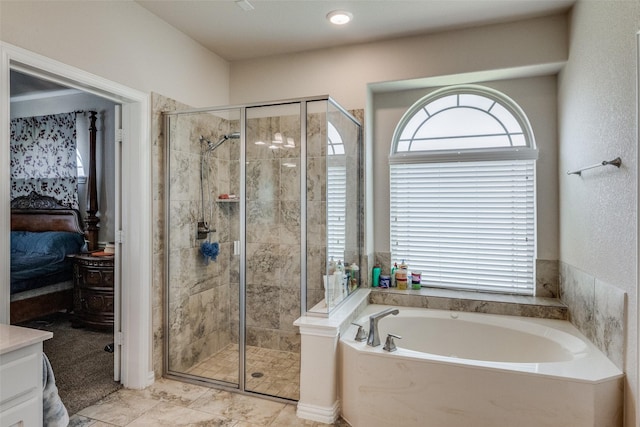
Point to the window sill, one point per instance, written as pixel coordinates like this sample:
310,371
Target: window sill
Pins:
444,299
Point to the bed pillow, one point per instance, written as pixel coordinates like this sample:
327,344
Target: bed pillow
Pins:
60,243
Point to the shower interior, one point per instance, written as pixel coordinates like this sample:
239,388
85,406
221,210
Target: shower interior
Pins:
277,188
207,148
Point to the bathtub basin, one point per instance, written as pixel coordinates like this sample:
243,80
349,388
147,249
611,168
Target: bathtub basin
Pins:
469,369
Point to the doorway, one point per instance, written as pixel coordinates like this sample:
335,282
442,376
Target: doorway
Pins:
134,234
44,118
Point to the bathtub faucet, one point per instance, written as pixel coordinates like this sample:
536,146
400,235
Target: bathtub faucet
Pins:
374,336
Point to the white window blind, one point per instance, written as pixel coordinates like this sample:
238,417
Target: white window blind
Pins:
336,211
466,225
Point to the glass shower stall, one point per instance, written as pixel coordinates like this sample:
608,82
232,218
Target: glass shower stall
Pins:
263,223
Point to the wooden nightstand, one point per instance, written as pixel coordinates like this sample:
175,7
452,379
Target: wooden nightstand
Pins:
93,290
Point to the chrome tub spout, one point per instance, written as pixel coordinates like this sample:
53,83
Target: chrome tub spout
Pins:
374,336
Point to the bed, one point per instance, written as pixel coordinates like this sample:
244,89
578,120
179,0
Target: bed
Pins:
43,233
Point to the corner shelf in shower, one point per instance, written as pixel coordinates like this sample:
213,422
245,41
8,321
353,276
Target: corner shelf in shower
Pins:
228,200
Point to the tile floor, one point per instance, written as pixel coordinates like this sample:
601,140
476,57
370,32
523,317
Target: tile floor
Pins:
271,372
176,404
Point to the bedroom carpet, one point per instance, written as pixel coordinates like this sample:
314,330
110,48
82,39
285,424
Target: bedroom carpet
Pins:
82,368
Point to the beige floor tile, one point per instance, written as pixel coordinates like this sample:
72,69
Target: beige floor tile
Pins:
80,421
119,408
167,414
287,418
238,407
176,392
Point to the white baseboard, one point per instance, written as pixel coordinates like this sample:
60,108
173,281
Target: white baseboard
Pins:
321,414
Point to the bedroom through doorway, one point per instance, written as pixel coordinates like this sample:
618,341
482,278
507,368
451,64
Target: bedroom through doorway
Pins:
64,156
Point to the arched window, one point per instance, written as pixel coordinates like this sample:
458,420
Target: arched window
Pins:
462,169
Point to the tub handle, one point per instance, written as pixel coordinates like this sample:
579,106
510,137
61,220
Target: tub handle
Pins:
361,335
390,344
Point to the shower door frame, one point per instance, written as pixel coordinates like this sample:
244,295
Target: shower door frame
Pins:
241,386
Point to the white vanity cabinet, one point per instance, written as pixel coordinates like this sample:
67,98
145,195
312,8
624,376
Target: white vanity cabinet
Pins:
21,376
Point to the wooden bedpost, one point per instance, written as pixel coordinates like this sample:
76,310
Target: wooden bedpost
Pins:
92,196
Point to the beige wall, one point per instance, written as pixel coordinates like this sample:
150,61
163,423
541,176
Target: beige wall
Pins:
119,41
345,72
598,121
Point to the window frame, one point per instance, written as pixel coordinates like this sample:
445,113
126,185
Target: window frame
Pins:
528,152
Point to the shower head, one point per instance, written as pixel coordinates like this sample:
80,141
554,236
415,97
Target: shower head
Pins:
212,146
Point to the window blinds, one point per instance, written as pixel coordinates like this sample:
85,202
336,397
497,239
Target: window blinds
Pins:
466,225
336,211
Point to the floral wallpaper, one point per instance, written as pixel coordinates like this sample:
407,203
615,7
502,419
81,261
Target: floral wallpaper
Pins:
43,157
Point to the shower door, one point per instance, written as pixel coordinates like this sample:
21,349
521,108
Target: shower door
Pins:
273,249
203,238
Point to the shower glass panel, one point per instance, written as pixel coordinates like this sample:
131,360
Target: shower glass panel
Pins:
334,214
273,251
258,199
202,293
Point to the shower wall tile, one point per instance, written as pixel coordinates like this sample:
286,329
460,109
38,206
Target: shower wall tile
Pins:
263,262
290,179
289,308
262,306
316,135
316,179
289,341
263,179
316,267
597,309
289,230
263,337
290,269
263,219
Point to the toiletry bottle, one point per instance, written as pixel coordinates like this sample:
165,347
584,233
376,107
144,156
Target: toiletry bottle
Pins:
347,276
401,276
393,274
354,277
339,277
375,276
331,268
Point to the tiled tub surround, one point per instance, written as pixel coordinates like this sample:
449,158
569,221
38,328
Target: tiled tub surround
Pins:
545,304
476,369
443,299
597,309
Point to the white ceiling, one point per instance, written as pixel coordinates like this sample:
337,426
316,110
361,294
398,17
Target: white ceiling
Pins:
276,27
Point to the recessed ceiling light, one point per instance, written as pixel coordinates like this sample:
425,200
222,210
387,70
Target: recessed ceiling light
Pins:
339,17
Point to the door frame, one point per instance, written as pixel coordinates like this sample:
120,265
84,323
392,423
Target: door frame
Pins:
136,272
